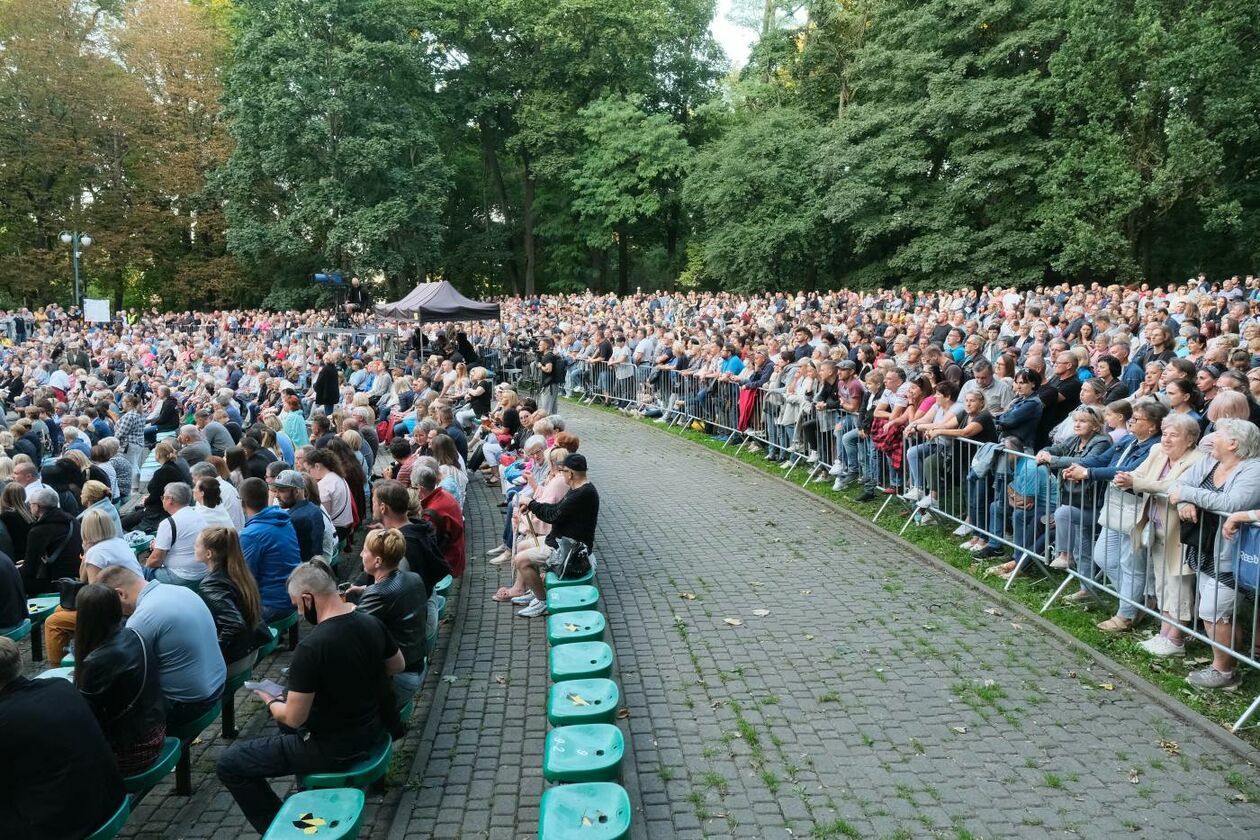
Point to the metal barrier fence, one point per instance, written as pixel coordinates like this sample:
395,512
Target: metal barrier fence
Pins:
1127,547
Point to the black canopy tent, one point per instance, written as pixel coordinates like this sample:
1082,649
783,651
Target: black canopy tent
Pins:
429,302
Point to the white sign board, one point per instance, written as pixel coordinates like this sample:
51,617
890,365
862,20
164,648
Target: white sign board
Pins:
95,310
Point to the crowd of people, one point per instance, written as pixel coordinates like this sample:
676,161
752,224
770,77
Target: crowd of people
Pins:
183,486
246,454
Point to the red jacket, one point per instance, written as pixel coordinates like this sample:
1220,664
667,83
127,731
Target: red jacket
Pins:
443,511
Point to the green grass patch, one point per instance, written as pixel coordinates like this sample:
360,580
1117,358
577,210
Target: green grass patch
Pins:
833,829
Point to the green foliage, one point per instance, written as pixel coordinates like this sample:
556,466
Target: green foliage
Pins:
332,106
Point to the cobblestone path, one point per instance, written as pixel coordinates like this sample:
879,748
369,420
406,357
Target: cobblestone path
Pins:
876,697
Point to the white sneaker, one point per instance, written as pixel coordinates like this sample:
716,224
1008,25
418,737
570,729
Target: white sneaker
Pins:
968,545
752,447
837,485
914,494
502,548
535,609
1162,646
962,530
1060,563
925,519
659,420
499,559
836,469
787,463
974,548
524,600
813,456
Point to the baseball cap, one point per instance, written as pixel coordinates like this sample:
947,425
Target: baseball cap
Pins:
289,478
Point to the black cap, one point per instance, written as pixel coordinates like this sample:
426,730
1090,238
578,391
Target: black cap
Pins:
576,462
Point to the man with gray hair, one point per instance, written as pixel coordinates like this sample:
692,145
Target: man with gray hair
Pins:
214,432
192,447
227,492
54,749
443,512
53,544
336,693
173,558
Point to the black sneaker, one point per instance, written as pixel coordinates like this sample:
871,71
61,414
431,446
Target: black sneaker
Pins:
989,552
868,495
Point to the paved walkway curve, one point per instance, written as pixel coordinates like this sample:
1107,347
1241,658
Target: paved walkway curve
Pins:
878,697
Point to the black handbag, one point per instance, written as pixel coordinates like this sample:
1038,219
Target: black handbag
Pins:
68,589
569,559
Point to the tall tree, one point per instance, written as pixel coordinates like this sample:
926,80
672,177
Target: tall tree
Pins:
336,163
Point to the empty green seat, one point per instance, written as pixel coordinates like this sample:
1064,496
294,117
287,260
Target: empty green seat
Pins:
332,814
441,606
290,623
443,586
408,709
165,763
67,661
580,626
38,609
587,811
580,660
572,598
358,775
20,632
553,581
186,734
582,701
229,701
589,752
114,825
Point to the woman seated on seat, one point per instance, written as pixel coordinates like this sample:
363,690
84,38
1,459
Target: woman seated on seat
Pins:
231,593
95,496
117,674
16,517
528,530
454,479
398,599
208,494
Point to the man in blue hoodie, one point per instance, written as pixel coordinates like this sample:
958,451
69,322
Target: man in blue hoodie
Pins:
289,488
270,546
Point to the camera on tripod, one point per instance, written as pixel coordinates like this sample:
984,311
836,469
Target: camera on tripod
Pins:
335,281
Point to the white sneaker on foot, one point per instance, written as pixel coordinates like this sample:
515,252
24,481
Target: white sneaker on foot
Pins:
1060,563
535,609
499,550
524,600
914,494
836,470
1163,646
962,530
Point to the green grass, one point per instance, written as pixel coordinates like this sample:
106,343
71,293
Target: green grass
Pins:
834,829
1223,707
1053,781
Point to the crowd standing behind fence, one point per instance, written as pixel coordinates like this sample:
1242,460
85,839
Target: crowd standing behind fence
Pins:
1027,419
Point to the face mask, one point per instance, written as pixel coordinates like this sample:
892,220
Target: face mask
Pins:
308,612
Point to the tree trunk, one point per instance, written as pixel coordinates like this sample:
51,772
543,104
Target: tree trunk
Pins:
623,261
527,227
671,245
601,270
500,193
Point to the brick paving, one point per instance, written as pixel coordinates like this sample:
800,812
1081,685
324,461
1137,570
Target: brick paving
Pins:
878,697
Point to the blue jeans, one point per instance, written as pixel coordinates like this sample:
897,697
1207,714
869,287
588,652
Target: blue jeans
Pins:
271,614
1124,567
246,765
915,456
406,684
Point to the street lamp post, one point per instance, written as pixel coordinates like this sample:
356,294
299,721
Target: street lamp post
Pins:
77,240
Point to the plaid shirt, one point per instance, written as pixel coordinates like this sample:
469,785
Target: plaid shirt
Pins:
130,429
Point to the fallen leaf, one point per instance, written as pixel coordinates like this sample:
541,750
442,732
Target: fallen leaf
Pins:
1071,675
809,637
623,713
1241,797
761,613
1170,747
930,627
450,678
961,730
1016,626
1135,775
571,627
1107,686
578,700
992,611
716,703
807,592
734,622
500,679
687,596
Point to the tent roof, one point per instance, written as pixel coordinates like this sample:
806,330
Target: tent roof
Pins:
439,302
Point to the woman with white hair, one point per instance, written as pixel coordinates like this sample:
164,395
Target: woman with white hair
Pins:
1227,481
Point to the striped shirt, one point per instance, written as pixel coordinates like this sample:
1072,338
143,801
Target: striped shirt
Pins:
130,429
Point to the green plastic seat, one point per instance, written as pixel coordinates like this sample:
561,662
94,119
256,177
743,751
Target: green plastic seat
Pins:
67,661
587,811
114,825
156,772
229,701
580,660
358,775
441,606
582,701
56,673
553,581
408,709
572,598
270,647
333,814
580,626
186,734
443,586
289,623
20,632
589,752
41,607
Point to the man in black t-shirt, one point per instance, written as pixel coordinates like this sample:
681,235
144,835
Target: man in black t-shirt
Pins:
330,716
552,378
1060,395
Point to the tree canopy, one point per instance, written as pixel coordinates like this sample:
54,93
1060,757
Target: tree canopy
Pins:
221,151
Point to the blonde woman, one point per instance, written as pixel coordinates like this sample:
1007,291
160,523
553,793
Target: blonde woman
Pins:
1075,517
95,496
528,529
